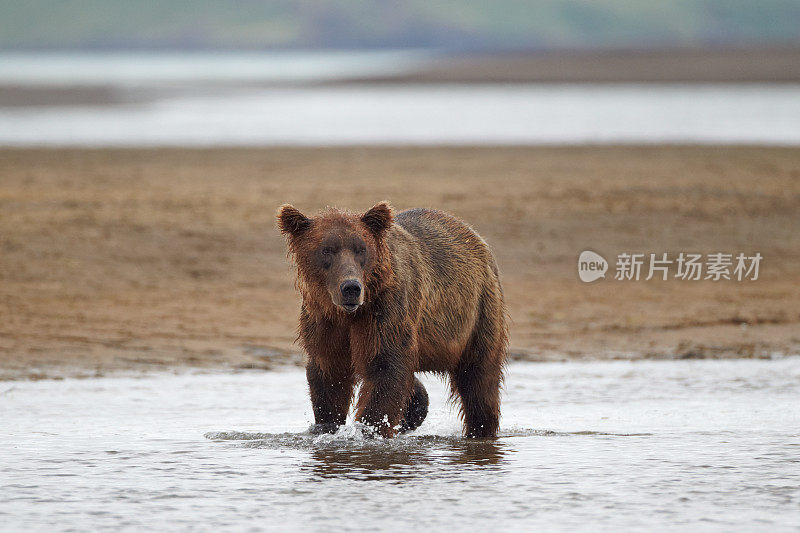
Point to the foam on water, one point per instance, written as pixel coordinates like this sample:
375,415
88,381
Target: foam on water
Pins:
701,445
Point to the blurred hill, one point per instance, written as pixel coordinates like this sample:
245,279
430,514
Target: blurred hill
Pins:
448,24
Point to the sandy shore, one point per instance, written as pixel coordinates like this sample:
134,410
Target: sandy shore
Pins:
133,260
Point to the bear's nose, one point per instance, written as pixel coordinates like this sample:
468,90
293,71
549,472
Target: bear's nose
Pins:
351,290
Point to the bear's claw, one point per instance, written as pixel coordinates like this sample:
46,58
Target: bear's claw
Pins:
417,408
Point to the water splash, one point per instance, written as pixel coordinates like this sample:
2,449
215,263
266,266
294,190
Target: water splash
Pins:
356,435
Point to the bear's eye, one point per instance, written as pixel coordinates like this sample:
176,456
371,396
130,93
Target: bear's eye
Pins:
361,251
327,251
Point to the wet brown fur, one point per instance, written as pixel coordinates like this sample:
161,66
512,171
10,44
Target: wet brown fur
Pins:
432,303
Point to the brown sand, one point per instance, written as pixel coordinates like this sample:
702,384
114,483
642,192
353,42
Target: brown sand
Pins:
130,260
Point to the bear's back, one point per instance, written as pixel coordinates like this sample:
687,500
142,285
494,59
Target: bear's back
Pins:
448,271
446,242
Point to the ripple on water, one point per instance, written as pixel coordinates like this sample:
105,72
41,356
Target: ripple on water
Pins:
618,446
357,435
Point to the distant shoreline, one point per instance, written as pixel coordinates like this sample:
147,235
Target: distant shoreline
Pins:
680,65
664,66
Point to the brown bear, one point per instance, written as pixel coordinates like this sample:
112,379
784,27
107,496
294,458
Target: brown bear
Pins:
385,296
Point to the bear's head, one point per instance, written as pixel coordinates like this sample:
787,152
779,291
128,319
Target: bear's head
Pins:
341,257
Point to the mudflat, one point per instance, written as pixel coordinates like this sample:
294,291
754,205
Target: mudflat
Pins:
139,259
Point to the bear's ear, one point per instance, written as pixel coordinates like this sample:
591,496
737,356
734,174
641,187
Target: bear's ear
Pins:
291,221
378,218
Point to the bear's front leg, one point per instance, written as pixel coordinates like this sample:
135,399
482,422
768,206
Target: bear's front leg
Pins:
388,382
329,371
331,393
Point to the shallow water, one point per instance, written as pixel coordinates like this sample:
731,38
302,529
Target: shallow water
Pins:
424,115
212,99
147,70
706,445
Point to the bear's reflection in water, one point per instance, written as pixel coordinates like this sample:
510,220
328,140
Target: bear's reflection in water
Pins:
350,455
402,462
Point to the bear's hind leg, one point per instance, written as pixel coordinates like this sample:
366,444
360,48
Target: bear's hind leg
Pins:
479,374
478,386
416,409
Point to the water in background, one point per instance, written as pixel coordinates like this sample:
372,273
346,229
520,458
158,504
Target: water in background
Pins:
649,446
301,99
159,69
